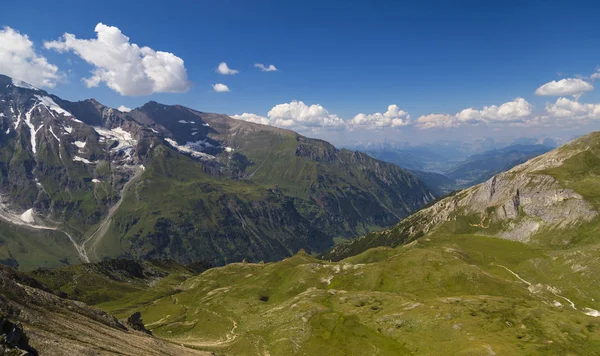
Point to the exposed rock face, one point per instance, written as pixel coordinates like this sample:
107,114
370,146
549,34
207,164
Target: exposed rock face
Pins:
136,323
540,197
13,340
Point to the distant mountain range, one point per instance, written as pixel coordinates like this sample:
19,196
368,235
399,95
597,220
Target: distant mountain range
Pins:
85,182
447,169
480,167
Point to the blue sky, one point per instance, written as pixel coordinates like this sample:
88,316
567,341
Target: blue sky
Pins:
350,57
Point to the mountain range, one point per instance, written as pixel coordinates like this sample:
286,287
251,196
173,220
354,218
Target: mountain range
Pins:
86,182
506,267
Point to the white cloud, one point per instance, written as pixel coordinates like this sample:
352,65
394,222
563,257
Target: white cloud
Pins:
568,86
437,121
123,66
595,75
393,117
19,60
224,69
567,108
252,118
512,111
269,68
469,115
124,108
221,88
298,115
516,111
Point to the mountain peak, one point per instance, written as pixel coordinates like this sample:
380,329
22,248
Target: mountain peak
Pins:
6,82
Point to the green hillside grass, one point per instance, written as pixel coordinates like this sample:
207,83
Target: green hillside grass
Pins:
443,292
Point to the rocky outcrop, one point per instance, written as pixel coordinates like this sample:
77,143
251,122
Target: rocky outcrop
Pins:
136,323
13,340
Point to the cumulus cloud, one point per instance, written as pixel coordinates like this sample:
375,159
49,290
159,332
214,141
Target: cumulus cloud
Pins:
224,69
124,108
516,111
257,119
19,60
393,117
567,108
221,88
269,68
123,66
512,111
469,115
299,115
437,121
568,86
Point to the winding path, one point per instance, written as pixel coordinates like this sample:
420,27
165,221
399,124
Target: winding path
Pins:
553,290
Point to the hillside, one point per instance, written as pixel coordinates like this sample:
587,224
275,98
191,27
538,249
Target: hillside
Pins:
35,320
81,179
465,294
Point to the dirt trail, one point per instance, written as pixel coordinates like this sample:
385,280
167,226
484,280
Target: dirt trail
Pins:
553,290
229,338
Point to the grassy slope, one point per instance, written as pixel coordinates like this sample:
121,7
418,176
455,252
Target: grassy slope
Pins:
178,211
348,194
41,248
444,292
111,280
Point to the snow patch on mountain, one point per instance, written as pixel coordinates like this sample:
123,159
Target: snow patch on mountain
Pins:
32,130
81,159
126,142
199,145
51,105
79,144
28,216
193,148
22,84
53,134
